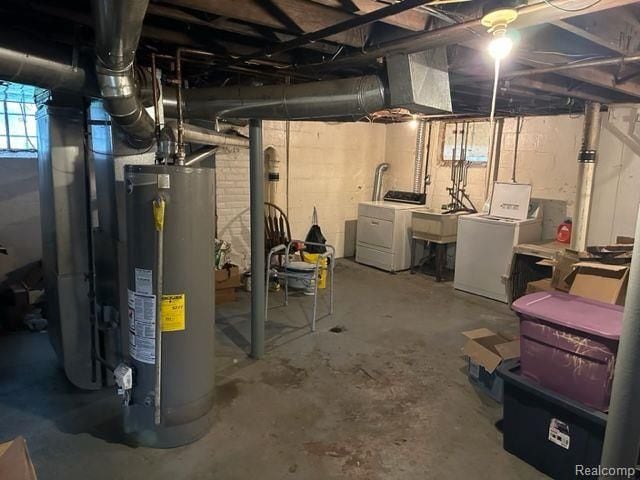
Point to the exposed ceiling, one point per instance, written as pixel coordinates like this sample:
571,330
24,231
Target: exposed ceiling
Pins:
270,41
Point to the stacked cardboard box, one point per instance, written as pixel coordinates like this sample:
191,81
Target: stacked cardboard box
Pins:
601,273
227,280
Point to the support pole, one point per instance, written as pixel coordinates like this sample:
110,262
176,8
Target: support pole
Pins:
622,438
586,173
258,291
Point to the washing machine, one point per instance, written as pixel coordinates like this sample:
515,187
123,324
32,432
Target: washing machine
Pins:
485,241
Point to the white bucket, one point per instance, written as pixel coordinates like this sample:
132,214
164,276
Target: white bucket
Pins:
301,276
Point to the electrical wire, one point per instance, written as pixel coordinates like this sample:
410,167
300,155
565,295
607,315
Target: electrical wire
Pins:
586,7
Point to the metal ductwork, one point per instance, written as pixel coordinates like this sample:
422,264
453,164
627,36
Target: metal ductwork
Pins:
349,98
117,29
419,82
44,66
418,163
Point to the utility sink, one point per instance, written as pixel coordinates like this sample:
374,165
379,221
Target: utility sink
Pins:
434,225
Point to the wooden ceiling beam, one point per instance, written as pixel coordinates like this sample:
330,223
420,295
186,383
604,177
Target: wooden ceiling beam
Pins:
592,76
308,15
609,29
552,88
226,25
466,32
415,20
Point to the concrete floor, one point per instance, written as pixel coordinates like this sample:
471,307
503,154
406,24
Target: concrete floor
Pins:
385,399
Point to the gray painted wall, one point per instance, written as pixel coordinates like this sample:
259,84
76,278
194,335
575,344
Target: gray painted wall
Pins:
19,213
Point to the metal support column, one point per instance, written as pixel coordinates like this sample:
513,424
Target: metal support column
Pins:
258,291
622,438
586,173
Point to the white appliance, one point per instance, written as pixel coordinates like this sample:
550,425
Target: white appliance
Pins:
384,235
485,245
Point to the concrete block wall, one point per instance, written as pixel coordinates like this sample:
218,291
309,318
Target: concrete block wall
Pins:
331,167
547,158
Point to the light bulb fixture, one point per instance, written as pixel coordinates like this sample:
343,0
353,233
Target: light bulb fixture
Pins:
500,46
496,22
413,123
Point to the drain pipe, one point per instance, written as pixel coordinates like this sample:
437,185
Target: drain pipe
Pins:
418,162
377,181
622,436
258,291
586,173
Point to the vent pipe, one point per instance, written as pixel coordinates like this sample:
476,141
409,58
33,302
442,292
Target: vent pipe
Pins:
348,99
44,66
377,181
418,163
203,136
586,173
117,29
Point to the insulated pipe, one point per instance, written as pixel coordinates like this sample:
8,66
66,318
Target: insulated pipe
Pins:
586,173
118,24
622,436
377,181
348,98
418,162
258,291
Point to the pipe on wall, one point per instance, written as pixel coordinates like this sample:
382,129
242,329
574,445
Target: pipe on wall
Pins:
118,24
377,181
586,173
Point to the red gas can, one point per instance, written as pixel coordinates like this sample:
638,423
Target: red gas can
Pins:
563,234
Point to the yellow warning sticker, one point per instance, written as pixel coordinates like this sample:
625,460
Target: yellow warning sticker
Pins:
172,312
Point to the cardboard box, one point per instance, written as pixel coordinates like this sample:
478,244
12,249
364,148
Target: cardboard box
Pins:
565,261
543,285
228,278
15,463
226,295
599,281
486,350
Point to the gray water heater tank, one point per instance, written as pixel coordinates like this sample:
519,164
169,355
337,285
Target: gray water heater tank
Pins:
186,310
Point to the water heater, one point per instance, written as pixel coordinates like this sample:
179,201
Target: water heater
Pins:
168,381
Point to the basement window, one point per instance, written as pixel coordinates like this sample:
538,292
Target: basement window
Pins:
18,137
466,140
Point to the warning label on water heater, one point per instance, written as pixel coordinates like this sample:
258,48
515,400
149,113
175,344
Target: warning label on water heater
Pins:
172,313
142,326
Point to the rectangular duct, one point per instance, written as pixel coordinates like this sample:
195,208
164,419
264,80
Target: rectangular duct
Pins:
66,256
419,81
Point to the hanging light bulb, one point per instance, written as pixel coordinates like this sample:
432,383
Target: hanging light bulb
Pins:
500,47
496,21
